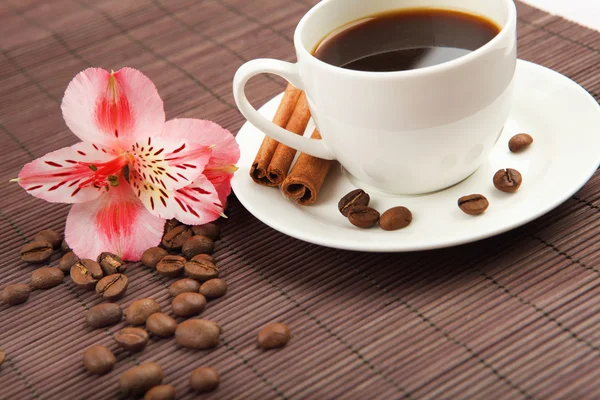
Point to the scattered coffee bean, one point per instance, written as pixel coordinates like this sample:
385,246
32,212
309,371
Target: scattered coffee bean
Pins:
132,339
171,266
152,256
2,356
64,247
188,304
161,325
138,380
50,236
204,379
138,312
67,261
206,257
104,314
395,218
197,245
210,230
86,273
14,294
473,204
112,287
356,197
519,142
175,238
46,278
198,334
111,264
214,288
363,217
201,269
273,335
98,360
508,180
170,224
161,392
36,252
184,285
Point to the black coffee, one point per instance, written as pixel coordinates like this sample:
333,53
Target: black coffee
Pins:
405,39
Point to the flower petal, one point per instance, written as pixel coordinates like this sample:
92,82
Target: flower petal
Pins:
225,150
66,175
116,222
221,180
194,204
112,108
166,164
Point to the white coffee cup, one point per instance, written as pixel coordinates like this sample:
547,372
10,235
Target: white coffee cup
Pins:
403,132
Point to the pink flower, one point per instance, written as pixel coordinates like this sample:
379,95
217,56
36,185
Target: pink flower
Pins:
132,170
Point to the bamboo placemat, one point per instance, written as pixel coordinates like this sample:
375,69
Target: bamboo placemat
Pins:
515,316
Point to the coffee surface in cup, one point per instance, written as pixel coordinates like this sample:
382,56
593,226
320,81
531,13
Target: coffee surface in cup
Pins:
406,39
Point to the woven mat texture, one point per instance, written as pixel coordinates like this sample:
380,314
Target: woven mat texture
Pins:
512,317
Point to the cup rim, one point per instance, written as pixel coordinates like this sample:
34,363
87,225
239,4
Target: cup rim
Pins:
506,30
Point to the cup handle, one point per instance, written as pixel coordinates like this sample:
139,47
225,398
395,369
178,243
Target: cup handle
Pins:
288,71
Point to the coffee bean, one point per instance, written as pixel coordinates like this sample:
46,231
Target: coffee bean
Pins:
132,339
36,252
111,264
210,230
206,257
519,142
138,312
473,204
2,356
214,288
175,238
356,197
50,236
112,287
273,335
138,380
152,256
184,285
395,218
188,304
46,278
198,334
104,314
170,224
161,325
200,269
86,273
363,217
64,247
508,180
67,261
171,266
204,379
98,360
161,392
197,245
14,294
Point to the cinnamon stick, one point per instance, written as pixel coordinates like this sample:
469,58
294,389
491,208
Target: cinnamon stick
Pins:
303,183
258,171
284,156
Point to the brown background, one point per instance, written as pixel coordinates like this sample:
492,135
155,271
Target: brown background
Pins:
514,316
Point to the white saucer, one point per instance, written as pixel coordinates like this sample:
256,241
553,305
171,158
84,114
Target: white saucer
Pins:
561,116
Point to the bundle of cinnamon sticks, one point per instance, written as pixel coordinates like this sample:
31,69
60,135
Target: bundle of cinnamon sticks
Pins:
274,159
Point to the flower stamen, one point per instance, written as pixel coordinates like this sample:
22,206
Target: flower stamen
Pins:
113,180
